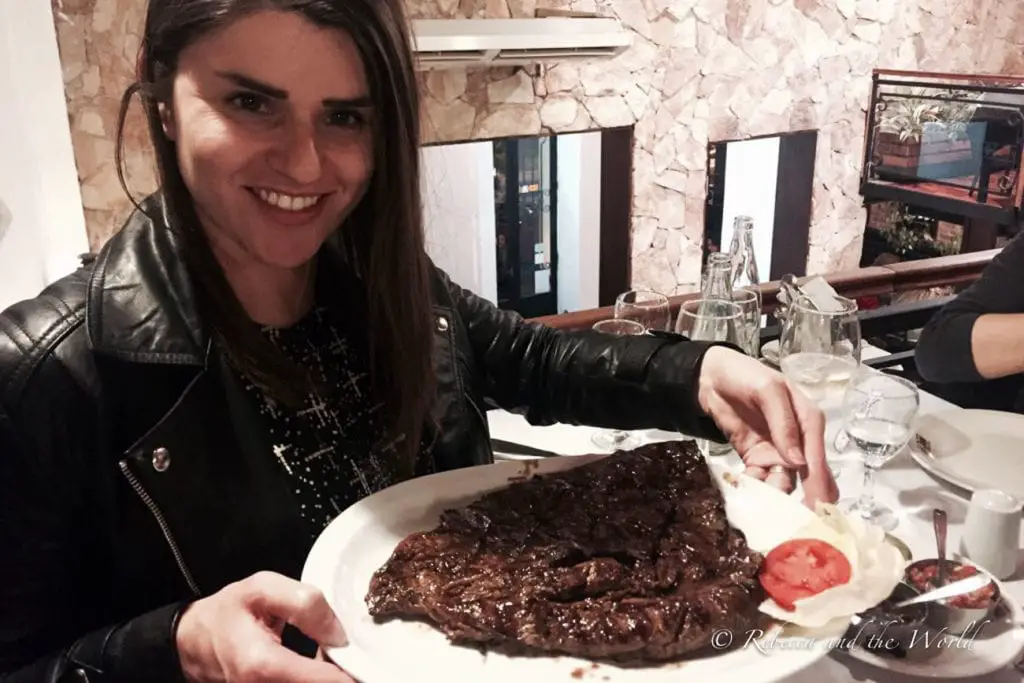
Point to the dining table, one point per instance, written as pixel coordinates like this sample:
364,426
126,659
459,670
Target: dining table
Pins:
901,484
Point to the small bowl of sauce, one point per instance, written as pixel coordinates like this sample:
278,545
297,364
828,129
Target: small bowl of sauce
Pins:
962,612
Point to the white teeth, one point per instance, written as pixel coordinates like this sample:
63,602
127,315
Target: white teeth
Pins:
287,202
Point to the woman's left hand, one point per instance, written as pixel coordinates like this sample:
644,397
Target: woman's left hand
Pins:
776,430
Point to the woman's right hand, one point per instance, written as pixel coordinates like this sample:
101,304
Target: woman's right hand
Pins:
235,634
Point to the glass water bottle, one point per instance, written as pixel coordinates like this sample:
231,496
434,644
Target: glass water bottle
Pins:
744,272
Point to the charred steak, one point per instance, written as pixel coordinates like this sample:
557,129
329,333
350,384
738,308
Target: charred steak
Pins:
629,558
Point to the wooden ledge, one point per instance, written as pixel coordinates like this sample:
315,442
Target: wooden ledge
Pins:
907,276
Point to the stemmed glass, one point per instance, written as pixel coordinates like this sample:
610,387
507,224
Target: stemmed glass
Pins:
647,307
878,415
749,301
617,439
713,320
819,352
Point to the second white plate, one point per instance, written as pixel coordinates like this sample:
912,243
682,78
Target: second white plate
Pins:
974,449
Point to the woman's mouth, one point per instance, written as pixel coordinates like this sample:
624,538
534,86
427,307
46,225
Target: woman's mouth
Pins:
287,202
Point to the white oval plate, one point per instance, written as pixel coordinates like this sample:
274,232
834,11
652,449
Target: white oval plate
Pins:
974,449
362,538
996,646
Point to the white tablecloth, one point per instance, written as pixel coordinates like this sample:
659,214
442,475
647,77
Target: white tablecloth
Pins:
902,485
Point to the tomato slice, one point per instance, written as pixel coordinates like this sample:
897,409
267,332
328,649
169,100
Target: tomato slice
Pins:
802,567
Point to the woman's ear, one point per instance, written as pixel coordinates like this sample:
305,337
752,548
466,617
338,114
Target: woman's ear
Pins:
166,119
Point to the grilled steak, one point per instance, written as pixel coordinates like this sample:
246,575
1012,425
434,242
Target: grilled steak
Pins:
628,558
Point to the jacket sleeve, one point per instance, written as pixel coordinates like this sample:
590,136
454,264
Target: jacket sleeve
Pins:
48,612
944,352
549,375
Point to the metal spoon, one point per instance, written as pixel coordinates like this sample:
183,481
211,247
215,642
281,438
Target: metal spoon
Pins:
939,522
952,590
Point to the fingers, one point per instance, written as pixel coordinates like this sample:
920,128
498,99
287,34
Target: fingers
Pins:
818,485
817,479
781,478
302,606
784,479
776,404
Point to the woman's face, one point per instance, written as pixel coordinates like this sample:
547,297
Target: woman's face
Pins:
273,126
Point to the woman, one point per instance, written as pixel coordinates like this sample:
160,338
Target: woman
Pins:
264,343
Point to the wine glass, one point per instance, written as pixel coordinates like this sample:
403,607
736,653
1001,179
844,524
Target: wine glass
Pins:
645,306
819,352
713,320
878,415
617,439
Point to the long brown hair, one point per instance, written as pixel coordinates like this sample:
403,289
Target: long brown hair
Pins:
382,239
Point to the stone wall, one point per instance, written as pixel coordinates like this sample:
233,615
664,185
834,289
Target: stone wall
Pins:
699,70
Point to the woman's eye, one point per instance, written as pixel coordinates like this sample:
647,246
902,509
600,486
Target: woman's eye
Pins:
346,119
248,102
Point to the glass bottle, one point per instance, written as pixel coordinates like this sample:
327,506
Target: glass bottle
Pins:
744,261
718,277
717,287
715,300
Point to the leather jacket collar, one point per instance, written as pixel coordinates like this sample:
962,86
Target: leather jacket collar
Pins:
141,303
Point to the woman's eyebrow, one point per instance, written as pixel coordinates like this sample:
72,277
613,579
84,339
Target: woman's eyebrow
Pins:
276,93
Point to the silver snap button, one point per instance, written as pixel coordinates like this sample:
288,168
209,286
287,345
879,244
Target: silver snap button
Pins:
161,459
442,323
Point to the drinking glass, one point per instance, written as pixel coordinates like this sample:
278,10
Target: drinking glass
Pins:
712,320
819,352
617,439
878,415
749,301
647,307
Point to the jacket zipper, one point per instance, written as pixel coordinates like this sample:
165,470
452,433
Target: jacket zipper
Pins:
483,420
159,517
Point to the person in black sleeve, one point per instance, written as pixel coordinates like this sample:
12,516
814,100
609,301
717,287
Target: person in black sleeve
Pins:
972,349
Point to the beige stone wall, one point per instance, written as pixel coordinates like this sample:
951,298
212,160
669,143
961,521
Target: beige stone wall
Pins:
699,70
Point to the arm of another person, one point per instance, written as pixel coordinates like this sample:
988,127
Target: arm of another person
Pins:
980,334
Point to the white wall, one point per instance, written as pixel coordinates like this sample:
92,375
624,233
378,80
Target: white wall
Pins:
457,183
751,170
38,178
578,210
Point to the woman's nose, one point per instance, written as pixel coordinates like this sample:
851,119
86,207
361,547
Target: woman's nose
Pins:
297,155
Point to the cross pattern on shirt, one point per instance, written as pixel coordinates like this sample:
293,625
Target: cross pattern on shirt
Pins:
333,448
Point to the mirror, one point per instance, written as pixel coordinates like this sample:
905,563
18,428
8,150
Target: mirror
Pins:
770,179
523,221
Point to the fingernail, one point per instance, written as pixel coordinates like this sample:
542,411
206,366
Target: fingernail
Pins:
796,457
339,637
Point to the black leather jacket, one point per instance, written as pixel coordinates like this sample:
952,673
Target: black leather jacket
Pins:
134,478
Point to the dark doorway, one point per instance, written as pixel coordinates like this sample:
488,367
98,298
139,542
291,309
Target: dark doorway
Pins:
616,213
525,196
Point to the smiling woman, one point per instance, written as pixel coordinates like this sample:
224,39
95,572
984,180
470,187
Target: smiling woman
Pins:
265,343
